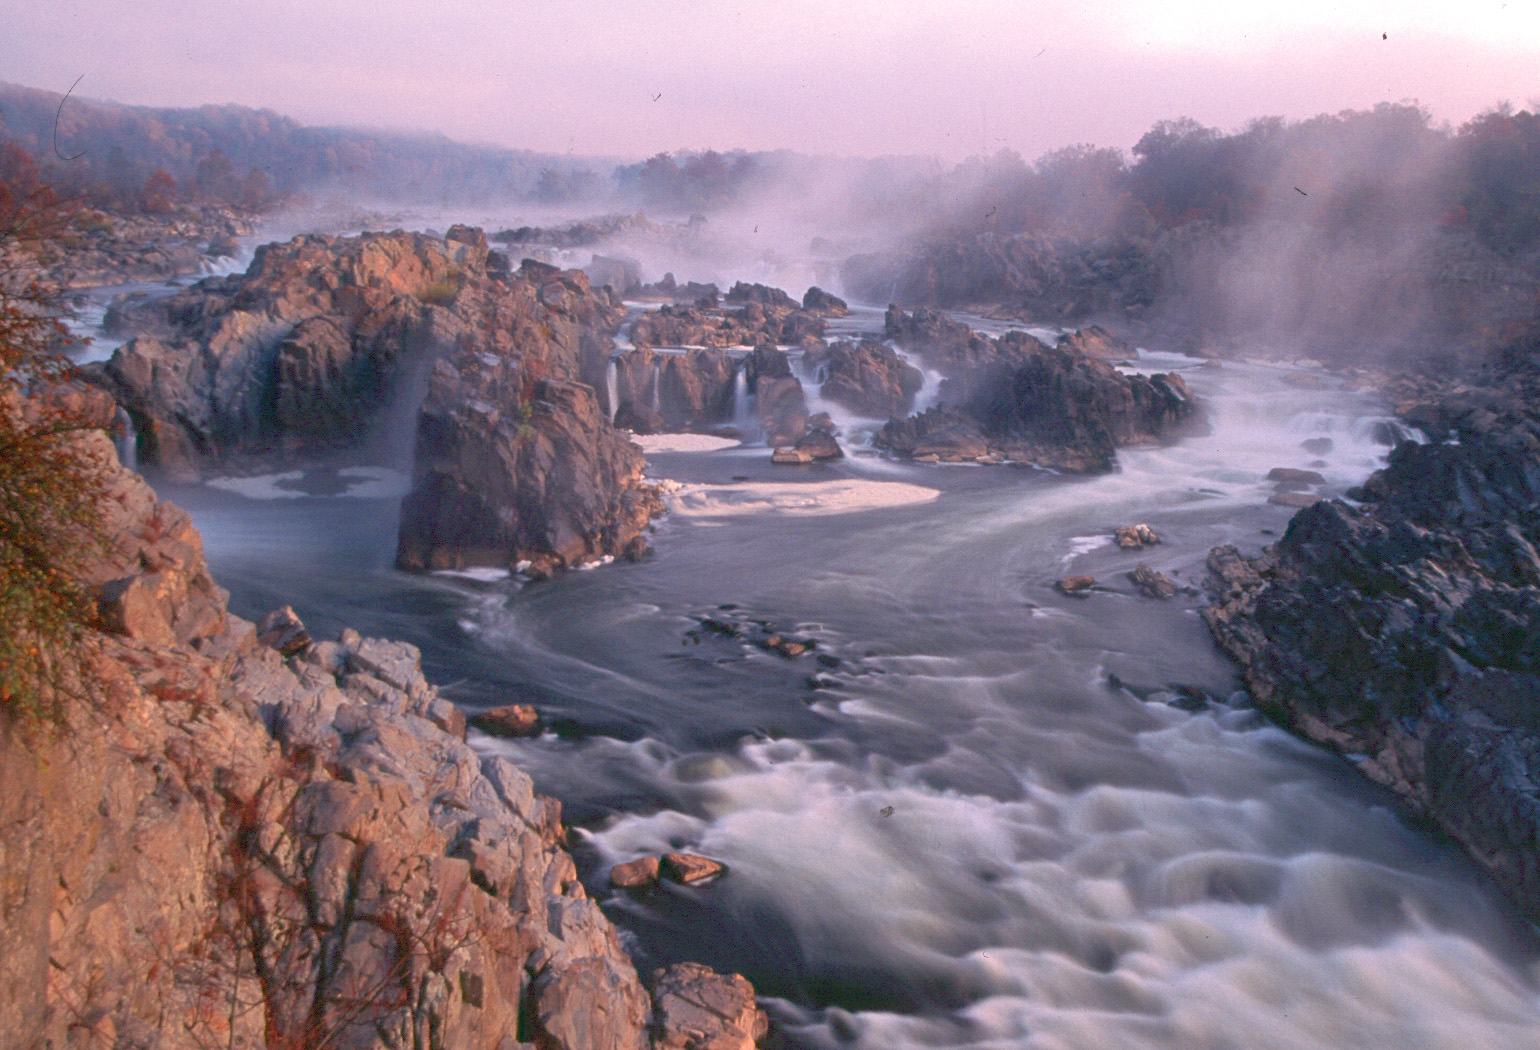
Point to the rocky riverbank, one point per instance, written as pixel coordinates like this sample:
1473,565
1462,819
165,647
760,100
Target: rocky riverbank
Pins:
99,248
255,838
307,353
1016,398
1401,629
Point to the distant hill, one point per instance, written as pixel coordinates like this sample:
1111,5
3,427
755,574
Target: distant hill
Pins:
227,152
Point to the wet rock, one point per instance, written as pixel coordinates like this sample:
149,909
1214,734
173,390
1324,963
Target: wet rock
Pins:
1291,476
1134,537
510,720
1424,673
699,1009
1294,499
1096,341
819,444
690,868
1075,586
818,301
637,874
791,456
1152,584
870,378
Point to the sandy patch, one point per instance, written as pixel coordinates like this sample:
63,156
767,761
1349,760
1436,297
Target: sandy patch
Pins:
797,499
650,443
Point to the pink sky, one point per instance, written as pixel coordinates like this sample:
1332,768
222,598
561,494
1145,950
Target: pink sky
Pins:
853,77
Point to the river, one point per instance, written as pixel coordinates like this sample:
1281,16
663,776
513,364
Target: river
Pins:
978,813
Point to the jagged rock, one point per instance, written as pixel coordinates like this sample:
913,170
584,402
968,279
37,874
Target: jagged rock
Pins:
1152,584
1075,586
1426,669
869,378
761,294
950,346
243,850
706,325
672,391
1096,341
941,432
282,629
1133,537
301,352
509,720
699,1009
636,874
819,444
819,301
508,472
690,868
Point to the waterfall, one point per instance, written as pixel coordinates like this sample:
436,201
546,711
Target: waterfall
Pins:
128,441
611,389
741,415
657,369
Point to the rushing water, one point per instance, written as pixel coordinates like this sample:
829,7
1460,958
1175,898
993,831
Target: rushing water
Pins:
979,813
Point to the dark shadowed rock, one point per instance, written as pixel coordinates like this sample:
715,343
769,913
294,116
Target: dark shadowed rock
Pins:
870,378
819,301
741,293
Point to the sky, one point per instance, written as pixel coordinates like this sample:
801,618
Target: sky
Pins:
630,78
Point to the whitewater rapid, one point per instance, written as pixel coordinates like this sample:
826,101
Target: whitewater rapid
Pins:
980,813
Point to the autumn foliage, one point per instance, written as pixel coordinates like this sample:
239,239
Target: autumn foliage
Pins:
50,485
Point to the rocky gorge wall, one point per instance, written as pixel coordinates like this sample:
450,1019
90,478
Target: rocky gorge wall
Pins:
257,839
1404,630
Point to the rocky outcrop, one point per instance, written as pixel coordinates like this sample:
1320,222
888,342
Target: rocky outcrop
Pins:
97,249
821,302
767,315
511,470
1426,670
683,391
1023,401
242,848
1095,341
870,378
778,398
299,354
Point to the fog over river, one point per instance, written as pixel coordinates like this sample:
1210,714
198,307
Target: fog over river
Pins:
978,812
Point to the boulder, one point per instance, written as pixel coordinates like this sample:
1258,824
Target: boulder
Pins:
941,432
1152,584
699,1009
1075,586
818,301
637,874
870,378
690,868
510,720
1133,537
819,443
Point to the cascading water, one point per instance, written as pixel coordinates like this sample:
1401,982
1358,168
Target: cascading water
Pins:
978,813
127,440
612,387
743,411
657,375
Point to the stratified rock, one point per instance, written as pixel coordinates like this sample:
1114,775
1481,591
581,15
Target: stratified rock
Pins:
870,378
690,868
510,720
699,1009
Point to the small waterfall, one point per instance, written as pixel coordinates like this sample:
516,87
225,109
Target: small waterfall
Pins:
611,389
657,370
742,414
128,441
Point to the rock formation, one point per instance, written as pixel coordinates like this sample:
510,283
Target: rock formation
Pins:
1015,398
763,318
247,847
869,378
1427,668
686,391
298,354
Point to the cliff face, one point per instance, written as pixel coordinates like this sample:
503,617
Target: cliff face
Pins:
1405,632
257,839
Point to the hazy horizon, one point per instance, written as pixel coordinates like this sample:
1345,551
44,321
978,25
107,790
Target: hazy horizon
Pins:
913,78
